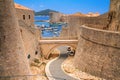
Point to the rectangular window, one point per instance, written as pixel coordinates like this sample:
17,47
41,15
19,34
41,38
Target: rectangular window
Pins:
23,17
29,16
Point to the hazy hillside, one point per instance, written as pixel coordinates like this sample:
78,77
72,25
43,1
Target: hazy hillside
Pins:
45,12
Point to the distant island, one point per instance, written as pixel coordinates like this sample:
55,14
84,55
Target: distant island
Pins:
44,12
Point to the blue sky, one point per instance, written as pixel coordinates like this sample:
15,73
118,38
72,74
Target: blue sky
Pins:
67,6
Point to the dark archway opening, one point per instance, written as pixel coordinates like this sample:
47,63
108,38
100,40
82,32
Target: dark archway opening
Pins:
61,50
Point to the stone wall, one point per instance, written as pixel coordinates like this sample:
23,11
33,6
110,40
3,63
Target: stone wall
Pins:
114,16
74,22
98,53
30,34
13,61
30,37
64,32
27,16
55,17
94,22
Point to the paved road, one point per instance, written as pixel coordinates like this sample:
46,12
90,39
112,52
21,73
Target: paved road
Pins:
55,67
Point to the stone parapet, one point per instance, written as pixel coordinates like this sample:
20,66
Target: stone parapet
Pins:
103,37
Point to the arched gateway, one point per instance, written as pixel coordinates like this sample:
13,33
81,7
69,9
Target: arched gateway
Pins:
48,45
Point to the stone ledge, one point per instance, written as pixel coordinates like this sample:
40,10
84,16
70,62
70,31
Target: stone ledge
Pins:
107,38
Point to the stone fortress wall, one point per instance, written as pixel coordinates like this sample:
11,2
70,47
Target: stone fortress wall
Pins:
64,32
30,37
55,17
98,53
13,59
25,15
74,22
114,16
30,34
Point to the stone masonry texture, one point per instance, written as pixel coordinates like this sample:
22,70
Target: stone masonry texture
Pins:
28,16
30,34
12,55
74,22
98,53
55,17
30,37
114,16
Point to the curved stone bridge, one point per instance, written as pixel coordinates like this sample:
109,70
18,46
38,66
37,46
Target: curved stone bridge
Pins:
48,45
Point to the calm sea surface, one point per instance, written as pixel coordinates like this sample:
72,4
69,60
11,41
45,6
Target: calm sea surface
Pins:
49,30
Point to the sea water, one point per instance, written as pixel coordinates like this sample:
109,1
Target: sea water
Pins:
37,22
50,30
